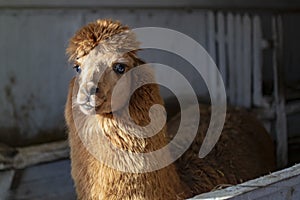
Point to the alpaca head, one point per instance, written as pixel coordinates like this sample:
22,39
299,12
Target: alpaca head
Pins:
102,52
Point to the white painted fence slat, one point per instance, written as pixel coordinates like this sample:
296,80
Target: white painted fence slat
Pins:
238,60
246,66
211,35
201,21
281,121
212,51
221,46
257,62
231,58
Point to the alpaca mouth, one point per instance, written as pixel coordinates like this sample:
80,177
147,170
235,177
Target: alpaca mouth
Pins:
89,109
87,106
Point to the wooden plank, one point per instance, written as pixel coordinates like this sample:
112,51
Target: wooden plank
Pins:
238,60
254,4
279,185
200,28
247,62
47,181
201,23
6,178
211,35
27,156
279,95
211,40
221,46
231,58
257,62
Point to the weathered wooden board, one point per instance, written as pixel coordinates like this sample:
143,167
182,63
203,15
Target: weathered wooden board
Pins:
279,95
215,4
6,178
231,59
238,60
257,61
221,35
211,43
27,156
48,181
279,185
247,62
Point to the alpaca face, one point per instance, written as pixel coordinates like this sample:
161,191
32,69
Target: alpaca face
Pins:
98,74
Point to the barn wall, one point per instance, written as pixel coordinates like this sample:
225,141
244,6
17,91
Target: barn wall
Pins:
34,72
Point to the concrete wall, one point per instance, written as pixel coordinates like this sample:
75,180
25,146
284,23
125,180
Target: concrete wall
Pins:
34,72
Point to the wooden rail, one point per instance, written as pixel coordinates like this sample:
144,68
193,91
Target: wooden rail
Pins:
278,185
277,5
27,156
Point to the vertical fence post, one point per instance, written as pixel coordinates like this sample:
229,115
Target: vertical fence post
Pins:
246,62
212,51
238,60
257,63
279,96
221,46
231,58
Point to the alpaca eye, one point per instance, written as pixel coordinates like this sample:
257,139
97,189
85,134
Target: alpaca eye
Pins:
77,68
119,68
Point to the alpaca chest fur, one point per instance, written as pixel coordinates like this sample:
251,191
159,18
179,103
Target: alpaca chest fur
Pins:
94,180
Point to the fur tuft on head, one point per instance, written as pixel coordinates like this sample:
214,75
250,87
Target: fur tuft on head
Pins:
89,36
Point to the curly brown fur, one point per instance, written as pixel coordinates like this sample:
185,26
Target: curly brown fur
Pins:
90,36
244,150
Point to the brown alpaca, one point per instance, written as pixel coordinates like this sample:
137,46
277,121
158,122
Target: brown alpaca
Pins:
244,150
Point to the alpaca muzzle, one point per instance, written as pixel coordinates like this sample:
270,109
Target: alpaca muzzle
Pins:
86,97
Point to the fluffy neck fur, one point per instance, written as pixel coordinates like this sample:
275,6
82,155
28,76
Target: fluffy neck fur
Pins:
94,180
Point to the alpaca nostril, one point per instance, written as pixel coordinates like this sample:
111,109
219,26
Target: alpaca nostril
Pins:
94,90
